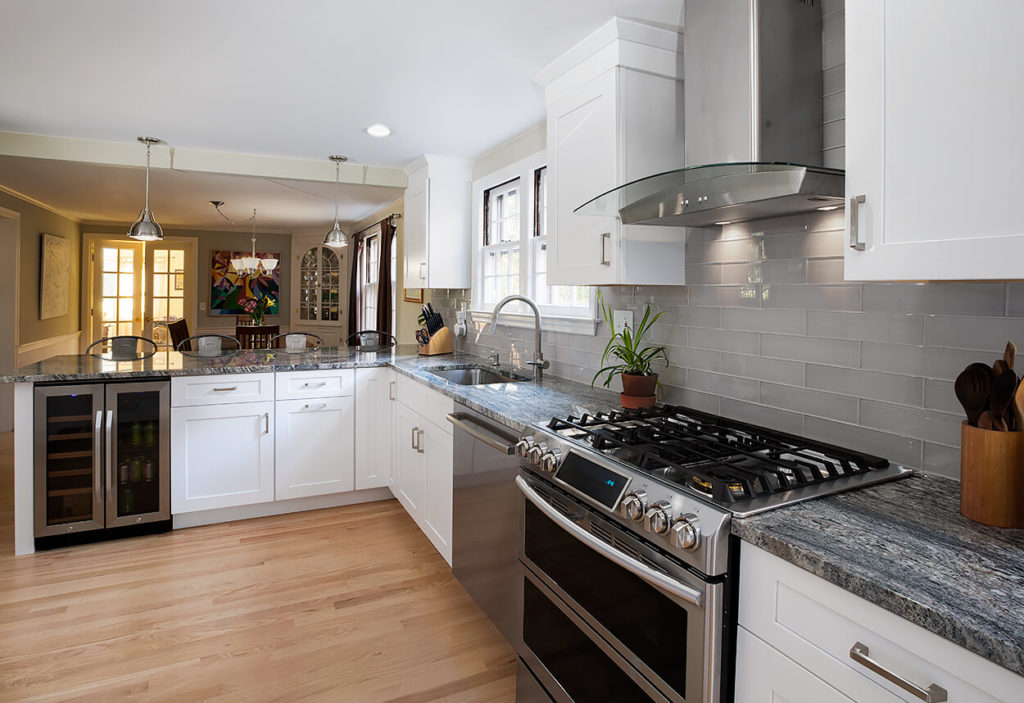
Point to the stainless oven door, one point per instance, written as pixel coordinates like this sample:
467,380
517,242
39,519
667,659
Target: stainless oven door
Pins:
607,617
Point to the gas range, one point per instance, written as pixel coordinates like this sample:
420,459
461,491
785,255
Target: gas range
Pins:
676,476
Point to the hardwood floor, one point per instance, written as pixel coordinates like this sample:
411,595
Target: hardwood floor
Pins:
343,604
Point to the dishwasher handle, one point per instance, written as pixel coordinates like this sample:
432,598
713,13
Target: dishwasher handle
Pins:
493,438
634,566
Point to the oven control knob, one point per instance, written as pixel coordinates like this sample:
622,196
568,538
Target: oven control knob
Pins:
536,452
659,518
633,506
686,532
549,462
523,446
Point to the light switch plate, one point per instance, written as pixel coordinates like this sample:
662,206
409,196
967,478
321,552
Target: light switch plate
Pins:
622,318
460,315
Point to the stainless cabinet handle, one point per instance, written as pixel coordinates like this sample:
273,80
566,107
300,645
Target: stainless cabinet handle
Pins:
855,203
109,461
423,276
266,423
933,694
320,384
225,390
321,406
419,441
413,442
475,429
391,390
98,465
605,237
635,566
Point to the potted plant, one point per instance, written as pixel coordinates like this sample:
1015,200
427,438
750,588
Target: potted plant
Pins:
639,382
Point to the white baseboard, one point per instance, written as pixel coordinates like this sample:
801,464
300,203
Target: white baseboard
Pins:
41,349
278,507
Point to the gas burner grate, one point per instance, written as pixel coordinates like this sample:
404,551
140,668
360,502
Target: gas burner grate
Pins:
726,460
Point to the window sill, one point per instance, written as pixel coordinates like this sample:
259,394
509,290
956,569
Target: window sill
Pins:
549,323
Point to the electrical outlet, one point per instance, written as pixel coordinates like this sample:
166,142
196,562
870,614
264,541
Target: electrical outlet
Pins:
622,318
460,315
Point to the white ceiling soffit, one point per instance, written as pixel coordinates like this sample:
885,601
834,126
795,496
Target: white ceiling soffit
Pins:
102,193
298,79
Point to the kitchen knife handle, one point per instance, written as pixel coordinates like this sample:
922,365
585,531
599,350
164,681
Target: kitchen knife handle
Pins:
855,203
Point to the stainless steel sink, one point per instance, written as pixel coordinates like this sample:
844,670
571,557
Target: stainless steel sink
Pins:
474,376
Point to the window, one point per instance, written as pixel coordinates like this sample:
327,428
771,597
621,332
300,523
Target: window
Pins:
368,268
513,243
319,283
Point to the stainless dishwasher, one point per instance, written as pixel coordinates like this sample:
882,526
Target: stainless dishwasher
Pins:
485,516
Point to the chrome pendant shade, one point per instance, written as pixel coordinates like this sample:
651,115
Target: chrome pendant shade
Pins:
146,229
336,238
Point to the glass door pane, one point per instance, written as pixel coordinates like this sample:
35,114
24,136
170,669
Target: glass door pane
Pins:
68,453
169,289
117,289
137,446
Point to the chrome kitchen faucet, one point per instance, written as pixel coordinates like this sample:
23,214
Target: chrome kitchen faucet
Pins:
538,363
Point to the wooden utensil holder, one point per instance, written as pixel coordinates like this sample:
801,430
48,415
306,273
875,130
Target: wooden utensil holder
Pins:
992,476
440,343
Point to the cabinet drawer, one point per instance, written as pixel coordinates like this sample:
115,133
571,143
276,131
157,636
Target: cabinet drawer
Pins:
222,388
816,624
297,385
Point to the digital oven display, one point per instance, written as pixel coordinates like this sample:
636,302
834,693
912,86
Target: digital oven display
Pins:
601,484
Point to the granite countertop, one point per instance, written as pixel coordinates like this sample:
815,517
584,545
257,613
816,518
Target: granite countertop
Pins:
516,405
904,546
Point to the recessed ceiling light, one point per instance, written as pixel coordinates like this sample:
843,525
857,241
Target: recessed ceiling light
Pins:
378,130
726,222
829,207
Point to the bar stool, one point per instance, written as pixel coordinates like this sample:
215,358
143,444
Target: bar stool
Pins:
123,348
209,345
296,341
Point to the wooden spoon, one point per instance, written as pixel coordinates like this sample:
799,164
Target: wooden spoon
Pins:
1009,354
985,421
973,388
1002,395
999,367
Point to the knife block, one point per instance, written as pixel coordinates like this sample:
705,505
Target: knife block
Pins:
440,343
992,476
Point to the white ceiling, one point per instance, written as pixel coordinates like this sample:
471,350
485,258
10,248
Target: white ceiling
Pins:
298,78
101,193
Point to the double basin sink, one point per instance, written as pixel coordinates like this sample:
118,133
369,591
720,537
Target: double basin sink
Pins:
475,376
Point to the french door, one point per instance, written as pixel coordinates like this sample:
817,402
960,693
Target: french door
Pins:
138,287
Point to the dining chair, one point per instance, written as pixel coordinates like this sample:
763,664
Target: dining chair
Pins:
256,336
178,331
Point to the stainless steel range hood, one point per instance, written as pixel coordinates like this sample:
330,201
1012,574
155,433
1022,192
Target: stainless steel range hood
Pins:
753,122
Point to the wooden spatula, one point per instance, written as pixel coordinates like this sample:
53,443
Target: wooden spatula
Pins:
1009,354
1018,407
1003,390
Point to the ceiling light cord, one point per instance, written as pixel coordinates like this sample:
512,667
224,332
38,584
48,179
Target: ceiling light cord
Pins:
216,205
148,147
337,189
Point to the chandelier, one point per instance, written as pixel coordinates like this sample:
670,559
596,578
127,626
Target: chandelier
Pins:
252,264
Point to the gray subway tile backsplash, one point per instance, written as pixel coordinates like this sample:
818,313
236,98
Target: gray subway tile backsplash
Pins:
864,365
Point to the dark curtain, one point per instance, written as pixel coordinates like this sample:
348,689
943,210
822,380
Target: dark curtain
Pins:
387,238
354,287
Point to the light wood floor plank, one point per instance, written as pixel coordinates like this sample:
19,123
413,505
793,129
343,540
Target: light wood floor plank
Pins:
343,604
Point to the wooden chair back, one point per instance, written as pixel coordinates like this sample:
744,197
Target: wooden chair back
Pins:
256,336
179,333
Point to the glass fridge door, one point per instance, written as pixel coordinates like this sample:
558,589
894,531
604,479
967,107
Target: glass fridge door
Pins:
138,451
68,459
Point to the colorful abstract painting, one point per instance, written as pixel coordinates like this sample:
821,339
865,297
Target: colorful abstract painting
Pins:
228,289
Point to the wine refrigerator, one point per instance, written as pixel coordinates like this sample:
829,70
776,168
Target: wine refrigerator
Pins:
102,458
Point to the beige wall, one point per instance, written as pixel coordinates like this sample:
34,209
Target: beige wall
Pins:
515,149
35,221
212,240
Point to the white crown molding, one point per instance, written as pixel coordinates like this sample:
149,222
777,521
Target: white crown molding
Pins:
39,203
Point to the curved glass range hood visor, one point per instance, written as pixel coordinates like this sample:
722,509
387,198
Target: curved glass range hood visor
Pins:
716,194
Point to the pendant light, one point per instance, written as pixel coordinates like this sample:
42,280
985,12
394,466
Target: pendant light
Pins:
336,238
146,229
252,264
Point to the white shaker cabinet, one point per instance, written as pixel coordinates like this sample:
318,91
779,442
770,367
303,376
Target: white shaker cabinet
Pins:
614,115
314,452
410,480
376,401
222,455
934,98
438,452
436,224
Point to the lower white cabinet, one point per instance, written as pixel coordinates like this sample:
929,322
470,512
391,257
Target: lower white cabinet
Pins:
423,456
376,402
222,456
816,630
314,453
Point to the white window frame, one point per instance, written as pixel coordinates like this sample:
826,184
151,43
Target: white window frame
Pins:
366,285
556,318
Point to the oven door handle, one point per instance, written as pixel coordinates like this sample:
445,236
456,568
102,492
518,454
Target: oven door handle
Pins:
634,566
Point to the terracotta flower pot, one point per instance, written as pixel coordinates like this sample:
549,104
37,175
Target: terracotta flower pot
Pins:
638,391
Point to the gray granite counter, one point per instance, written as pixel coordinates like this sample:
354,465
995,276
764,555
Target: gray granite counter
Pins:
904,546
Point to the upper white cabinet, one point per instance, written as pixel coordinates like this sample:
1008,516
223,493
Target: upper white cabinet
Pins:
614,115
934,97
436,224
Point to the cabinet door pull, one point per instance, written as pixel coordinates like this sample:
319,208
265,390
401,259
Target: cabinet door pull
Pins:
423,276
319,384
413,442
855,203
391,390
933,694
225,390
419,441
321,406
99,465
605,237
266,423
